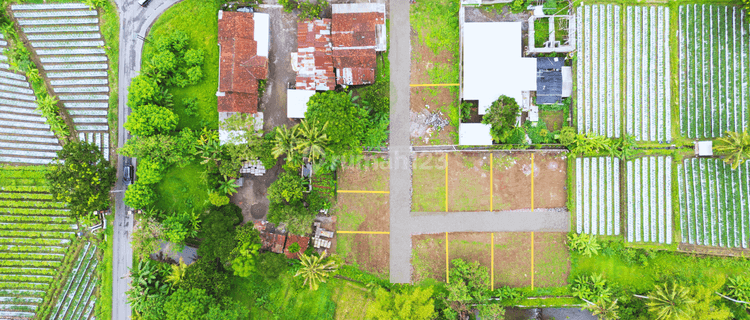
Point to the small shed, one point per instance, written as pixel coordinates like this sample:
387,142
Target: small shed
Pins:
549,80
296,102
704,148
474,134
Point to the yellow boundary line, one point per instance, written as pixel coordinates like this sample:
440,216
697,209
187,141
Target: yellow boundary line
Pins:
434,85
492,259
492,181
447,276
446,182
365,232
361,191
532,182
532,260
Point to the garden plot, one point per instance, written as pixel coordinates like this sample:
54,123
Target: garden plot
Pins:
25,137
714,66
35,232
598,70
67,40
77,295
714,203
649,194
598,195
371,173
647,98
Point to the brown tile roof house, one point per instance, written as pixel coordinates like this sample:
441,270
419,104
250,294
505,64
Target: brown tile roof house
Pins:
271,239
243,43
314,64
357,32
302,241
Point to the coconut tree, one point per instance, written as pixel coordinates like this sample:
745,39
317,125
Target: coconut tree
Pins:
178,271
670,303
736,146
315,269
314,142
605,310
286,142
228,187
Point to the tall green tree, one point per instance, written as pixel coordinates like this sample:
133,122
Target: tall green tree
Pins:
406,304
469,286
670,302
181,225
139,195
286,142
245,254
288,188
218,234
315,269
736,147
502,116
313,142
147,120
143,90
196,304
347,122
81,177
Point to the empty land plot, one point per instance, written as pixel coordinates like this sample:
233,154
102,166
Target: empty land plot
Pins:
714,205
351,300
647,103
468,181
512,181
598,70
371,174
428,257
598,195
550,172
471,247
428,182
363,212
713,85
551,259
512,259
649,194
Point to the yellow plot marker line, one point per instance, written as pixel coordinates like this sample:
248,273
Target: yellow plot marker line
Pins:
361,191
532,182
434,85
364,232
492,178
492,259
447,276
446,182
532,260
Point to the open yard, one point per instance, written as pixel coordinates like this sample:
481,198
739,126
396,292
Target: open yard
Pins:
550,172
512,181
370,174
468,182
428,182
182,189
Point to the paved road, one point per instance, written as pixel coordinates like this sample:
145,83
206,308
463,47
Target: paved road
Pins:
133,20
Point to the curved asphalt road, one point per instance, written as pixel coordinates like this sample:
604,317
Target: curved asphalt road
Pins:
134,21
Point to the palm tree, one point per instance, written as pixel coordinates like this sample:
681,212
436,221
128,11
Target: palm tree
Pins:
736,145
673,303
315,142
286,142
315,270
228,186
178,271
605,310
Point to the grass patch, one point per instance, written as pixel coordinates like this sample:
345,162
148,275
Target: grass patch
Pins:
110,29
541,32
428,183
104,303
203,36
182,189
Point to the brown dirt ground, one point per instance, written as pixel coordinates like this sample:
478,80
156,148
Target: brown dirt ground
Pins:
363,212
549,180
468,181
428,182
428,257
512,181
438,98
551,259
372,174
512,259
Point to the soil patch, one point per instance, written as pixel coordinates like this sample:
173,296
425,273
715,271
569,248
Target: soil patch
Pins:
553,119
468,182
363,212
428,257
471,247
549,180
512,259
551,259
371,174
512,181
428,182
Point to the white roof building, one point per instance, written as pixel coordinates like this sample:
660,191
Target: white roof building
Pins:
296,102
474,134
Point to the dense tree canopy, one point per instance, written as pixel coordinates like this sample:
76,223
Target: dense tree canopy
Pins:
151,119
347,121
139,195
245,253
406,304
502,116
81,177
196,304
218,233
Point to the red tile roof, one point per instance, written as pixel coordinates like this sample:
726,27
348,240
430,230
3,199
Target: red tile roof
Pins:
355,66
354,33
314,63
240,67
302,241
269,239
356,29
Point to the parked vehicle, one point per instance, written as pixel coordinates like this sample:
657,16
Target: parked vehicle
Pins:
127,173
144,3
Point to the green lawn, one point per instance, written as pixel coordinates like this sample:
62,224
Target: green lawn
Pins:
182,189
203,35
283,298
104,304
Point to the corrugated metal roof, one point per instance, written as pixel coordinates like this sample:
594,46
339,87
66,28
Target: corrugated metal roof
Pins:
314,62
357,32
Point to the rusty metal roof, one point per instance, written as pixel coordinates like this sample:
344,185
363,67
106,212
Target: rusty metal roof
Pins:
357,32
355,66
314,62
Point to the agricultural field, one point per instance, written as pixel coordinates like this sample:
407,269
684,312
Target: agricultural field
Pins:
598,70
647,95
77,299
649,205
70,47
714,67
598,195
35,233
714,206
25,137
